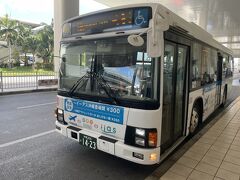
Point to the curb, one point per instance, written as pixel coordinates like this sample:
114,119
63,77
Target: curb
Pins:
27,91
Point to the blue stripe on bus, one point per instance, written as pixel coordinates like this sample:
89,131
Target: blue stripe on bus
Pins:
104,112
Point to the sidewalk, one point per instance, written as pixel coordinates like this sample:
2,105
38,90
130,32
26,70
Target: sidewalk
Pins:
216,154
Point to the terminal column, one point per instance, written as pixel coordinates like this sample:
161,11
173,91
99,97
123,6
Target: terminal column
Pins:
63,10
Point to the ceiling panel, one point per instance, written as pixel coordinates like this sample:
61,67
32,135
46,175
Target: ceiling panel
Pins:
221,18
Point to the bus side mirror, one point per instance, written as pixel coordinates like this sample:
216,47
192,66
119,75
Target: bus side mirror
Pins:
154,46
155,38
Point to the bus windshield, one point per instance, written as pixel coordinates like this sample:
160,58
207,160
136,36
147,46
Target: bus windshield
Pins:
92,66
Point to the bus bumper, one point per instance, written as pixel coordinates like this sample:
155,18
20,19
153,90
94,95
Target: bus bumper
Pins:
114,147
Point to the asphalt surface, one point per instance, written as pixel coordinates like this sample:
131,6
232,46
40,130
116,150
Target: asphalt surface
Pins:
51,156
31,149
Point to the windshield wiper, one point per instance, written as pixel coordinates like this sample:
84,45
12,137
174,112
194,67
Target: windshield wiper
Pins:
106,87
77,83
102,83
87,75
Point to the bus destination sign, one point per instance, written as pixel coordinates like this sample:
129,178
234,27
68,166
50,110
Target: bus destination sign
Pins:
123,19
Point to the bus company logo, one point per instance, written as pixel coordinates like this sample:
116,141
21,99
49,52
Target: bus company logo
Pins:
95,126
87,121
108,129
72,118
69,105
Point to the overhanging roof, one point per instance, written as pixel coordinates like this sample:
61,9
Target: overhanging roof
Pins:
221,18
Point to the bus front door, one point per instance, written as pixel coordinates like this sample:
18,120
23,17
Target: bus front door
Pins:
174,94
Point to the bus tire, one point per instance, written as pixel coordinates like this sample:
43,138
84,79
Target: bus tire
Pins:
195,119
224,100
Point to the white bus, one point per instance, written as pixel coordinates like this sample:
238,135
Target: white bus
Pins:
136,80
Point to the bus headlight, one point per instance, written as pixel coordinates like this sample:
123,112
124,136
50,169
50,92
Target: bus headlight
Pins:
141,137
60,116
140,132
60,111
140,141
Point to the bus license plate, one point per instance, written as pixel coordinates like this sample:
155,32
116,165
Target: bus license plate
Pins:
88,141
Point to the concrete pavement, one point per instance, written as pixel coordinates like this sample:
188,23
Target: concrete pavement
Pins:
216,155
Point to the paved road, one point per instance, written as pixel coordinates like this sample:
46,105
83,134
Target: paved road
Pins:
50,156
29,149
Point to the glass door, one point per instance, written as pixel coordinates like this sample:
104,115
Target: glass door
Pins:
219,80
167,112
174,93
180,91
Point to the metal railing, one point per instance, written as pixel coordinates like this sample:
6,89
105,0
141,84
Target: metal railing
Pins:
14,81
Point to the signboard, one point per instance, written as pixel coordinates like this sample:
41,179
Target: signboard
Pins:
121,19
104,112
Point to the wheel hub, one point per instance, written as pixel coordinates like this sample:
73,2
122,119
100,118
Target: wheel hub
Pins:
194,121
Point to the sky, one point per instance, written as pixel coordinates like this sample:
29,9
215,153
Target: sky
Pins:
37,11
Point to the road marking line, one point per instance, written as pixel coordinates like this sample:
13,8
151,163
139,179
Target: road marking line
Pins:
27,138
36,105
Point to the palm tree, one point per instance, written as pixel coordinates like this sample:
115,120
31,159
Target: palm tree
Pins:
33,43
8,33
24,32
45,47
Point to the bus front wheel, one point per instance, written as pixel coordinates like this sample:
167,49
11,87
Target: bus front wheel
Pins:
195,119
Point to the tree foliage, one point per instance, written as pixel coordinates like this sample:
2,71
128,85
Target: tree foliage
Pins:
8,30
45,46
24,33
8,33
19,35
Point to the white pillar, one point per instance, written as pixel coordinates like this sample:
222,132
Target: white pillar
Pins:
63,10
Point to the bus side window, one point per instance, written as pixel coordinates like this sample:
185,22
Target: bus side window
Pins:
144,63
227,70
213,65
144,73
231,64
227,66
196,66
209,65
